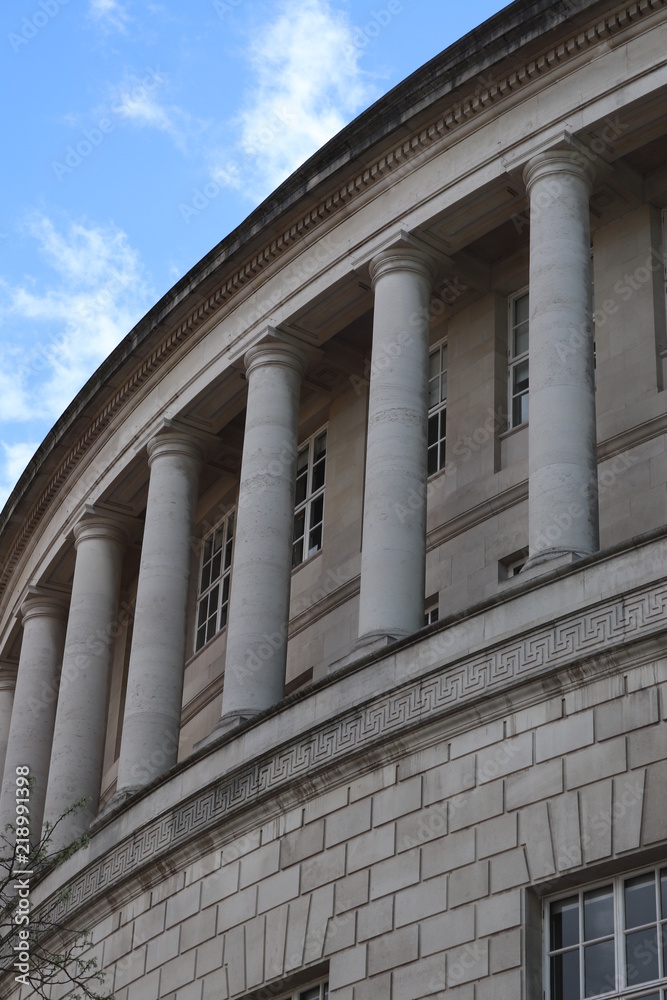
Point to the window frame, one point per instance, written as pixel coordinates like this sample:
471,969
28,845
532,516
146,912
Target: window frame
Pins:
302,991
515,360
226,524
308,504
622,989
438,410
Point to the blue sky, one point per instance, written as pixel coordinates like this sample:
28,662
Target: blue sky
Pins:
138,134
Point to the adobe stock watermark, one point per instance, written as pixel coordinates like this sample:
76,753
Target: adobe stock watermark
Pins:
230,174
92,138
32,24
225,7
363,35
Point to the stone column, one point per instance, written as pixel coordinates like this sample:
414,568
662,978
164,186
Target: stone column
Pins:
563,499
261,572
394,539
151,725
7,685
35,697
81,720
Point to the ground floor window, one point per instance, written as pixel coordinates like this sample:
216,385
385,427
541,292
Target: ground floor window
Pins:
609,940
318,992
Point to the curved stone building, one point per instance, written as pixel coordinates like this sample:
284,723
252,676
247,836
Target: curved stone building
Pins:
352,559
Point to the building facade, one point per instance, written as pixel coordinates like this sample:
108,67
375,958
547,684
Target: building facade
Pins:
339,591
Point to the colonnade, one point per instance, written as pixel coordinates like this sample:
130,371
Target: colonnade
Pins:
62,739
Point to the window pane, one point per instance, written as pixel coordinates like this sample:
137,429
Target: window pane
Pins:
318,475
521,377
640,900
217,543
641,956
201,637
216,566
213,601
207,550
203,609
223,617
663,892
313,994
228,554
317,511
315,541
598,913
565,923
299,524
225,589
433,392
443,448
297,553
432,430
320,449
301,487
302,461
205,576
434,364
565,976
520,340
521,309
443,390
599,970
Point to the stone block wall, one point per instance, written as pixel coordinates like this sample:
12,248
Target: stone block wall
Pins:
420,877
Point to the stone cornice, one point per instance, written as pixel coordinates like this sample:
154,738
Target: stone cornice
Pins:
609,633
432,135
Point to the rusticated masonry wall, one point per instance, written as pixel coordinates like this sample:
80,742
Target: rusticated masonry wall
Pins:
411,877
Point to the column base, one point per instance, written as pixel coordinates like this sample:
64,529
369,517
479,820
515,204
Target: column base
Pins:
548,560
115,803
365,646
227,724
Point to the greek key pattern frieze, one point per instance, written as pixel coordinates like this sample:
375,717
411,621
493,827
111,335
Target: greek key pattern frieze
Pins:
546,648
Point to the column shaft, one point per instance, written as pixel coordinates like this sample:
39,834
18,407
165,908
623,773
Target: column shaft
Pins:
394,539
78,739
563,501
34,709
149,742
7,685
261,571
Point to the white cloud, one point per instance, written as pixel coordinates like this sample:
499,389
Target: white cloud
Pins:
135,101
13,461
110,14
58,329
307,85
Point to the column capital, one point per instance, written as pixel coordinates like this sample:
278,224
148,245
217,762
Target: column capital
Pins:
277,348
175,443
555,163
40,602
403,259
94,525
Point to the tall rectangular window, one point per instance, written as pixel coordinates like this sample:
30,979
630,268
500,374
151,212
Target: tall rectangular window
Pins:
437,408
309,498
518,359
214,581
610,940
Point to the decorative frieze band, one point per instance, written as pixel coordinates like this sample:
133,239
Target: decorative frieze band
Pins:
550,647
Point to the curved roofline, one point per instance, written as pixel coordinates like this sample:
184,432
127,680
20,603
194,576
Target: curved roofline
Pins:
495,39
